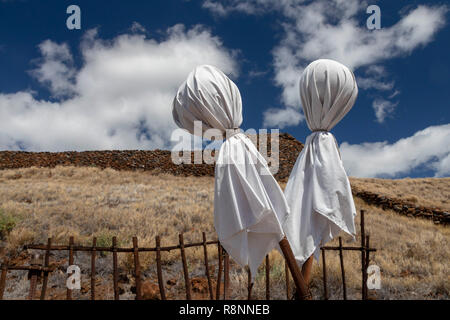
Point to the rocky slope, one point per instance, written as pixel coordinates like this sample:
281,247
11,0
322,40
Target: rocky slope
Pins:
160,161
155,160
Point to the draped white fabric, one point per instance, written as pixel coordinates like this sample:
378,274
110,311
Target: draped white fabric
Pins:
318,191
249,205
209,96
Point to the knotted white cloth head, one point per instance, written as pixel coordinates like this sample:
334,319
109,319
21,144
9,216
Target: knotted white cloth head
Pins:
318,191
249,205
328,91
210,97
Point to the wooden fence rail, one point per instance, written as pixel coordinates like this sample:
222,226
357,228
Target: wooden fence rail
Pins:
37,270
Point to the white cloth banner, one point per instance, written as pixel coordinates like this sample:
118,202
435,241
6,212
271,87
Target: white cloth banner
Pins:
318,191
249,205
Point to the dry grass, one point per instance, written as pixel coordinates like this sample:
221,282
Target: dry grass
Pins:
428,192
413,254
89,202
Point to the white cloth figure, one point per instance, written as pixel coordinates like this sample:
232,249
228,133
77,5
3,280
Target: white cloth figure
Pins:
318,191
249,205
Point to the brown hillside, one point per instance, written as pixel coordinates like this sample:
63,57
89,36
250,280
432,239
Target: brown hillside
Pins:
154,160
371,191
87,202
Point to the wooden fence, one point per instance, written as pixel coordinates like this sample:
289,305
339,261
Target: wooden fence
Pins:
36,269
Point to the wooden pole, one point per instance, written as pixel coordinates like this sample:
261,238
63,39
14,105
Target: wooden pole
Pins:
267,278
115,269
185,268
46,264
226,274
341,257
324,268
366,293
249,284
300,284
286,272
69,292
219,271
3,277
363,258
162,291
33,276
137,269
93,256
208,276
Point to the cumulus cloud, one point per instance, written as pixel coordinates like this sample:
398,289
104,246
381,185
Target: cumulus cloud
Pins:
427,148
121,97
442,167
376,77
224,8
136,27
55,69
371,83
333,29
281,118
383,108
330,29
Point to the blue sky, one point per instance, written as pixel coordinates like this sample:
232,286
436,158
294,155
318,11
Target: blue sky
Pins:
110,84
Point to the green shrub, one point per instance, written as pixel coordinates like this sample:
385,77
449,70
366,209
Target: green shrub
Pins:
7,222
104,239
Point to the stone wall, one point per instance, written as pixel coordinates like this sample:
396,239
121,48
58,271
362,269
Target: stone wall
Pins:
161,161
148,160
403,207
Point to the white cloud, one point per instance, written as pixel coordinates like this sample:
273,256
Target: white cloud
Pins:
121,98
281,118
383,108
55,68
428,148
136,27
442,167
256,74
312,35
376,77
333,29
368,83
224,8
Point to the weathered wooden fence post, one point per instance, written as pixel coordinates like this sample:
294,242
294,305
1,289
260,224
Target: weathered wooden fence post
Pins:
69,291
286,274
46,265
341,258
363,257
33,275
324,268
367,260
226,274
219,271
249,284
137,269
267,278
115,269
93,255
187,281
3,277
208,276
162,291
